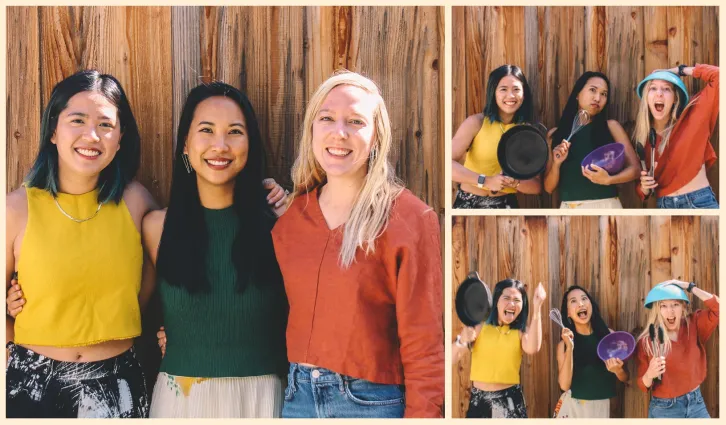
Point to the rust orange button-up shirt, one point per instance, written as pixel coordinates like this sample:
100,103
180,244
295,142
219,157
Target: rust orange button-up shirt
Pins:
379,320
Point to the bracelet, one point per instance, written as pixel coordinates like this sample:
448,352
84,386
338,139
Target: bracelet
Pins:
681,67
691,286
461,344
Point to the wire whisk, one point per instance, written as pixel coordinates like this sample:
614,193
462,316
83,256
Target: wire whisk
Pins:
556,317
581,120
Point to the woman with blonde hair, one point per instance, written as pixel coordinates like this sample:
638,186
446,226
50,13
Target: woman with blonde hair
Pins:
360,258
675,339
683,131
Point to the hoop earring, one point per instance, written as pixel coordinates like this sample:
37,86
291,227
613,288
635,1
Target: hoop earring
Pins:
187,164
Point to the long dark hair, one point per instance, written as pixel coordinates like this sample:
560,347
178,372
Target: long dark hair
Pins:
599,328
525,112
183,246
600,131
521,321
113,179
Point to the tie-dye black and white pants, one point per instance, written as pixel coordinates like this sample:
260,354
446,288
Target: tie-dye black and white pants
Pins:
506,403
39,387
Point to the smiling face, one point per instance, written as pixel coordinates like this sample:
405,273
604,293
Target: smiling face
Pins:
87,135
671,312
217,143
661,97
344,132
509,306
594,96
509,95
579,307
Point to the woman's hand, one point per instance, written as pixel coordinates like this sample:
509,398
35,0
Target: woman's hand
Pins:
161,335
14,300
647,181
539,296
559,154
569,338
496,182
468,335
656,368
614,365
596,175
277,195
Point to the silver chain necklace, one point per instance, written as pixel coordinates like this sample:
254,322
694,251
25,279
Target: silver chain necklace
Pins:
77,220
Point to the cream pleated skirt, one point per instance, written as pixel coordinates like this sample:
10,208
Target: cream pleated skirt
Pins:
248,397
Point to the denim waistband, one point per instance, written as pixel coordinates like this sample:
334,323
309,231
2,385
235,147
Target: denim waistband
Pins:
691,195
692,395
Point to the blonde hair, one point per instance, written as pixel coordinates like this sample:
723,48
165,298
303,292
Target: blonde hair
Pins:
373,203
655,318
644,118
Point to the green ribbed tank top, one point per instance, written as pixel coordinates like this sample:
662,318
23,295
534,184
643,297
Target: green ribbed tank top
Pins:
224,333
573,186
590,378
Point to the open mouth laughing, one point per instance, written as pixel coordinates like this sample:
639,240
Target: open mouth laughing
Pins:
338,152
88,153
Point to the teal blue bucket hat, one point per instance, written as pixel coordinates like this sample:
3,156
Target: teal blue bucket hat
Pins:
665,291
665,76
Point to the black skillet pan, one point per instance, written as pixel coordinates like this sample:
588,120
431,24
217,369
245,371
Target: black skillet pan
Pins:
522,152
473,300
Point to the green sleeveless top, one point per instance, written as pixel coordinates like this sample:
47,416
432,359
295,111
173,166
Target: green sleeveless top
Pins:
573,186
224,333
590,378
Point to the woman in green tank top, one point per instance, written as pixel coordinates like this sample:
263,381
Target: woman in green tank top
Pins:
588,382
580,187
482,184
223,300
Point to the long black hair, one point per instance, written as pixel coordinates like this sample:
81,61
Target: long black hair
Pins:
118,174
525,112
599,328
600,131
183,246
521,321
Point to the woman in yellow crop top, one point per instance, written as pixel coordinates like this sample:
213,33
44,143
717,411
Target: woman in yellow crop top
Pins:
474,162
496,351
75,228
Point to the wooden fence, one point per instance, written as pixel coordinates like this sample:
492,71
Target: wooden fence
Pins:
555,45
617,259
277,55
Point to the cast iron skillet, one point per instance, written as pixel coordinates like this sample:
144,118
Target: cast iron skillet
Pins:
473,300
522,152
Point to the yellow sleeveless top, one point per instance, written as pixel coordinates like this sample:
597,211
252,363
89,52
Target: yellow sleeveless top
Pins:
482,155
496,356
80,280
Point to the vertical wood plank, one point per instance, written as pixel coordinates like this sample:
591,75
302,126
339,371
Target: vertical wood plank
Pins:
23,93
186,66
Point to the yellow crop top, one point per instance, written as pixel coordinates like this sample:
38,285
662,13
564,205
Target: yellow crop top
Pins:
482,155
496,355
80,280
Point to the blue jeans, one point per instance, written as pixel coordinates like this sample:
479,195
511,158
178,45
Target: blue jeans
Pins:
321,393
701,198
689,405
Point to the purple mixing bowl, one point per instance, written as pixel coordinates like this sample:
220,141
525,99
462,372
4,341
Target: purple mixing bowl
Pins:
617,344
610,157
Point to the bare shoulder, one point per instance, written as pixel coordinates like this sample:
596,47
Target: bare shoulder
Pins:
613,125
16,207
551,132
138,198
